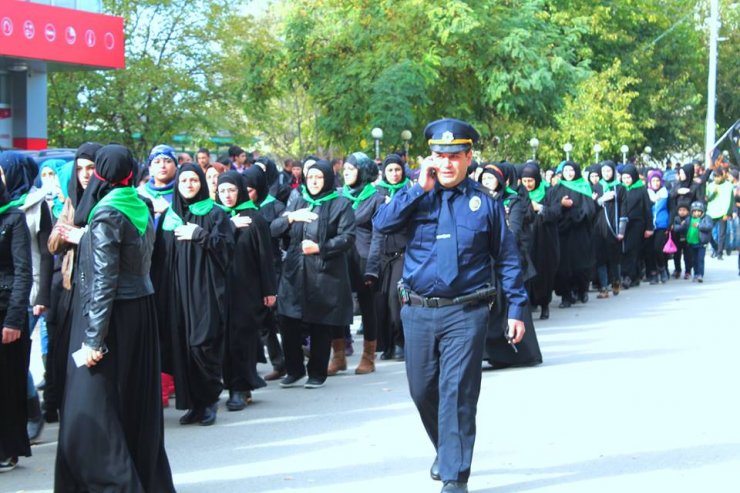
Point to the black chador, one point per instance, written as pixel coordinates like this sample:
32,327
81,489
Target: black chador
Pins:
545,242
574,228
201,268
251,281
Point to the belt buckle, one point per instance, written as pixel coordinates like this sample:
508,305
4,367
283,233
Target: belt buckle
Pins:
432,302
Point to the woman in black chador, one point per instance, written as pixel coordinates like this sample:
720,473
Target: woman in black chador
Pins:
610,224
270,208
63,243
389,250
639,214
501,180
574,228
314,293
111,435
250,288
204,242
15,347
545,243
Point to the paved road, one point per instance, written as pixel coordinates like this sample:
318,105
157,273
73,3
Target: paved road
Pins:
638,393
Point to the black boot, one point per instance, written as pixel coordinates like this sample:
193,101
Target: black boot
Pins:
545,313
237,401
35,424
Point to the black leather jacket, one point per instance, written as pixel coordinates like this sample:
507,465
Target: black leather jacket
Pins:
114,262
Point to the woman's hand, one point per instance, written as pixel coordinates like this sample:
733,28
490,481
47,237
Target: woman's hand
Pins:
38,310
607,196
186,231
10,335
93,357
566,202
309,247
269,301
70,234
241,221
302,215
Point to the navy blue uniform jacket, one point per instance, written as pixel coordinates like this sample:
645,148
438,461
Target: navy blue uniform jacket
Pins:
483,242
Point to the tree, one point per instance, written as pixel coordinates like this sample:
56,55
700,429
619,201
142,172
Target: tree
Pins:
166,88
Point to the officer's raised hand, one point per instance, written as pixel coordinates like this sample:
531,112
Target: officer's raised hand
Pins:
428,174
516,330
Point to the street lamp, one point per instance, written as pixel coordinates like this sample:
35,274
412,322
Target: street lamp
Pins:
597,150
567,148
534,143
405,136
377,134
624,150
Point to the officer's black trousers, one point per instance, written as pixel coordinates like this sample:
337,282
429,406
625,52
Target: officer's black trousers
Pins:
444,350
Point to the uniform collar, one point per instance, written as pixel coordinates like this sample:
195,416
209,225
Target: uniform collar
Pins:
461,188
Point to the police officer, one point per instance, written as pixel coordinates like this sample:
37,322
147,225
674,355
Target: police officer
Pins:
457,234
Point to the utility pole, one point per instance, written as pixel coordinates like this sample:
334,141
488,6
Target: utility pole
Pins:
712,82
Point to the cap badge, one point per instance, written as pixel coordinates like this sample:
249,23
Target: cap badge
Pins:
447,137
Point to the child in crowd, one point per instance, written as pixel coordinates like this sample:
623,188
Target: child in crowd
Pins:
698,231
682,248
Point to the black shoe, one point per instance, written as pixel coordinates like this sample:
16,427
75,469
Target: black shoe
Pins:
314,383
565,304
626,283
434,471
455,487
237,401
291,381
209,414
8,464
398,353
386,355
583,298
192,416
35,423
545,313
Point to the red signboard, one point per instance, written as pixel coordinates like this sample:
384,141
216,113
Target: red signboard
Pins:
55,34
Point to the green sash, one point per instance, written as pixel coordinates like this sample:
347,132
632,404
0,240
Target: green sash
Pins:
126,201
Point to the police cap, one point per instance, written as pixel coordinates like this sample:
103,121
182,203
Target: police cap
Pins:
450,135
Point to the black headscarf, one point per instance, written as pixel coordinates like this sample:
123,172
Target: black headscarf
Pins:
394,159
612,166
531,170
114,168
507,169
19,173
87,150
255,178
235,178
179,203
631,170
367,170
496,171
271,170
326,169
688,169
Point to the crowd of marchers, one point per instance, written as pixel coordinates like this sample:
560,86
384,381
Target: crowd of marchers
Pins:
222,264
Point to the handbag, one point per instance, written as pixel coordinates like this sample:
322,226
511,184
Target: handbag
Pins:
670,247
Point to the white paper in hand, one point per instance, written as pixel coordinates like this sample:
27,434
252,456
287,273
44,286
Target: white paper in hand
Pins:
80,356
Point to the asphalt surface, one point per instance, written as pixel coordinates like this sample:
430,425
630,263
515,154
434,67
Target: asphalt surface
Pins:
637,393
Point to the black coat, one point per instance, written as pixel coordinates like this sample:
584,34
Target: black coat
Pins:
519,218
639,213
606,225
574,229
545,249
316,288
15,287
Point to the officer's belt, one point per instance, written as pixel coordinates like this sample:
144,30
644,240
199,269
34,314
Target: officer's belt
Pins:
486,294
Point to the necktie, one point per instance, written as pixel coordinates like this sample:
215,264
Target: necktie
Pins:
446,241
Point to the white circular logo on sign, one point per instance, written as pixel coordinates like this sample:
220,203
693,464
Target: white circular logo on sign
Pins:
50,32
90,38
70,35
110,41
29,30
7,26
474,203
